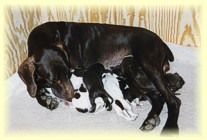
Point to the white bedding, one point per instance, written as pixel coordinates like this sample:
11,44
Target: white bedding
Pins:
26,115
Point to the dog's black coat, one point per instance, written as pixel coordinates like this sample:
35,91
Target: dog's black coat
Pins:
85,44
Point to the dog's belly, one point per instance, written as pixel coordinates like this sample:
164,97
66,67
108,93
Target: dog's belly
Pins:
115,58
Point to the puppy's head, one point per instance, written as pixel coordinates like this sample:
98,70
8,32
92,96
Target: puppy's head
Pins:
81,99
175,81
127,67
51,64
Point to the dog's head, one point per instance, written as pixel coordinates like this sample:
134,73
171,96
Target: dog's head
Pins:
51,64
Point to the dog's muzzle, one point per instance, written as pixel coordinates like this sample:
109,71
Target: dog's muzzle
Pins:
63,90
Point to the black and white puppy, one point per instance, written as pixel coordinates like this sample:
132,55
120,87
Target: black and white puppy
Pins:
81,99
121,106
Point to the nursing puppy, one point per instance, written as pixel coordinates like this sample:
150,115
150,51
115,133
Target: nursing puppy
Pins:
81,99
92,79
121,106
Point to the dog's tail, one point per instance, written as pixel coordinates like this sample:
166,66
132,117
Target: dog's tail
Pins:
168,53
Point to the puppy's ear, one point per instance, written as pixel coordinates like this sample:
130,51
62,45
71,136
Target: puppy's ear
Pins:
26,73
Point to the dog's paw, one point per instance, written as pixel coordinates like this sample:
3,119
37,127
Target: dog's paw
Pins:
48,101
150,124
51,103
54,104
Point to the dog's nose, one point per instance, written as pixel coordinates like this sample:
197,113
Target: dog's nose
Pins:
69,97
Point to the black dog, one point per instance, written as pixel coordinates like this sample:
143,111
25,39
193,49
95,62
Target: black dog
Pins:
140,86
88,43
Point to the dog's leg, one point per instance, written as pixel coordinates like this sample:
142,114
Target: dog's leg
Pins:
46,100
153,119
155,73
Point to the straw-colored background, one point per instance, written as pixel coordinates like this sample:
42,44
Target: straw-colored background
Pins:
180,25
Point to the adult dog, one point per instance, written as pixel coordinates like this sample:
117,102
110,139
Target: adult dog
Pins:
84,44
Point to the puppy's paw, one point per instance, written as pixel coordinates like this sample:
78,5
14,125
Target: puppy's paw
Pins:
92,109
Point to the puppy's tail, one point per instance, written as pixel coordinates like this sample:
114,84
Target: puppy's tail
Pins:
108,102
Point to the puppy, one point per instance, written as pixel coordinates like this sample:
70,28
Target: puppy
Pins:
81,99
174,81
95,86
121,106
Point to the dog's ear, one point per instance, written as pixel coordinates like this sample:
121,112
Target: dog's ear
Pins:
57,41
26,73
60,45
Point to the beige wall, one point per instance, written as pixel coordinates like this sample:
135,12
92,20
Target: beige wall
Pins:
180,25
